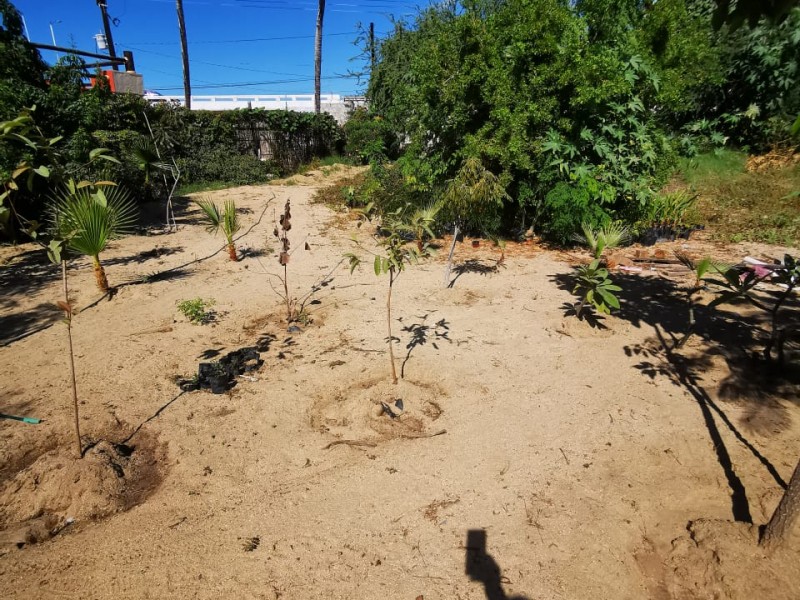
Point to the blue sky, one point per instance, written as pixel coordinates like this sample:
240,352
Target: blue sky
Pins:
227,46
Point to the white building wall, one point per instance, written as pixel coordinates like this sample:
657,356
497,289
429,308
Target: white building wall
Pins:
338,106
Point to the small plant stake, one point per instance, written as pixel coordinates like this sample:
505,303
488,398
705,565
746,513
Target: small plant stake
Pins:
55,254
397,254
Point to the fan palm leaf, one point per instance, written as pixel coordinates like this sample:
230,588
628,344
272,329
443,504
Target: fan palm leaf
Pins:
226,220
88,218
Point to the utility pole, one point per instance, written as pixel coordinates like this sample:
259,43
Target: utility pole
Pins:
318,58
187,85
103,4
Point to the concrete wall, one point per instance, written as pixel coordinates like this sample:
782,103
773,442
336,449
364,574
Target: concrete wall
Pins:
340,107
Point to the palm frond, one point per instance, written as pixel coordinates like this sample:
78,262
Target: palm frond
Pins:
589,238
212,214
614,234
89,217
230,221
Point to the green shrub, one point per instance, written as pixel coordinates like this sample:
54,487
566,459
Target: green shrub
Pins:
220,164
196,310
369,137
568,206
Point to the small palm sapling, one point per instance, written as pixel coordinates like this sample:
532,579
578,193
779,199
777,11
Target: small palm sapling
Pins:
89,215
396,255
610,236
226,220
420,222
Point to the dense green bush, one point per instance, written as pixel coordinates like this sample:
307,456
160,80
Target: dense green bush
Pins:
369,137
221,165
569,205
579,106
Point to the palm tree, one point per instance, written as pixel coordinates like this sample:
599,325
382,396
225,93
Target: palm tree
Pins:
318,58
227,221
420,222
187,86
89,216
611,236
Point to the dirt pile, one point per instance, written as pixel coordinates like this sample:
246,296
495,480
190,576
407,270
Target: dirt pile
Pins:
722,559
375,410
57,489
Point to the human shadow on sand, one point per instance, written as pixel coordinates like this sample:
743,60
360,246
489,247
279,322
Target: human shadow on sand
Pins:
482,567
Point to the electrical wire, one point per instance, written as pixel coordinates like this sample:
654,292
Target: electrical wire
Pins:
247,40
243,84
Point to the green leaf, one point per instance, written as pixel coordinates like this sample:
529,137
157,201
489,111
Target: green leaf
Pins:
377,265
42,171
609,298
54,249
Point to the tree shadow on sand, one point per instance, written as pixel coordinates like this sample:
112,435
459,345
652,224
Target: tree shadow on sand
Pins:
735,334
421,332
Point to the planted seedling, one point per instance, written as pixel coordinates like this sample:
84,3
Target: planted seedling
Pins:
610,236
700,269
419,224
281,231
89,215
474,199
595,287
55,252
227,221
395,256
741,284
196,310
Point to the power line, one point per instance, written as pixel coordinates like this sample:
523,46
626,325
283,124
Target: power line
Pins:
269,39
250,83
202,62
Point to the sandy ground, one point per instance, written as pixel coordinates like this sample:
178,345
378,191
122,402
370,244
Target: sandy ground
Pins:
536,457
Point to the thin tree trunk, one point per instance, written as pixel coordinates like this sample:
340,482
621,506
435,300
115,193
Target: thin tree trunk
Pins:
318,58
448,269
187,86
389,323
773,337
232,252
286,295
579,310
690,328
100,275
71,358
785,516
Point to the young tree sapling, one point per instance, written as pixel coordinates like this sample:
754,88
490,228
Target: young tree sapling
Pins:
396,255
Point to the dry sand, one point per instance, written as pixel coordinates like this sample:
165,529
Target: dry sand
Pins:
592,467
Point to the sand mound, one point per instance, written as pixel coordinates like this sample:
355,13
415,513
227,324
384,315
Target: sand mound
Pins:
722,559
375,410
57,489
